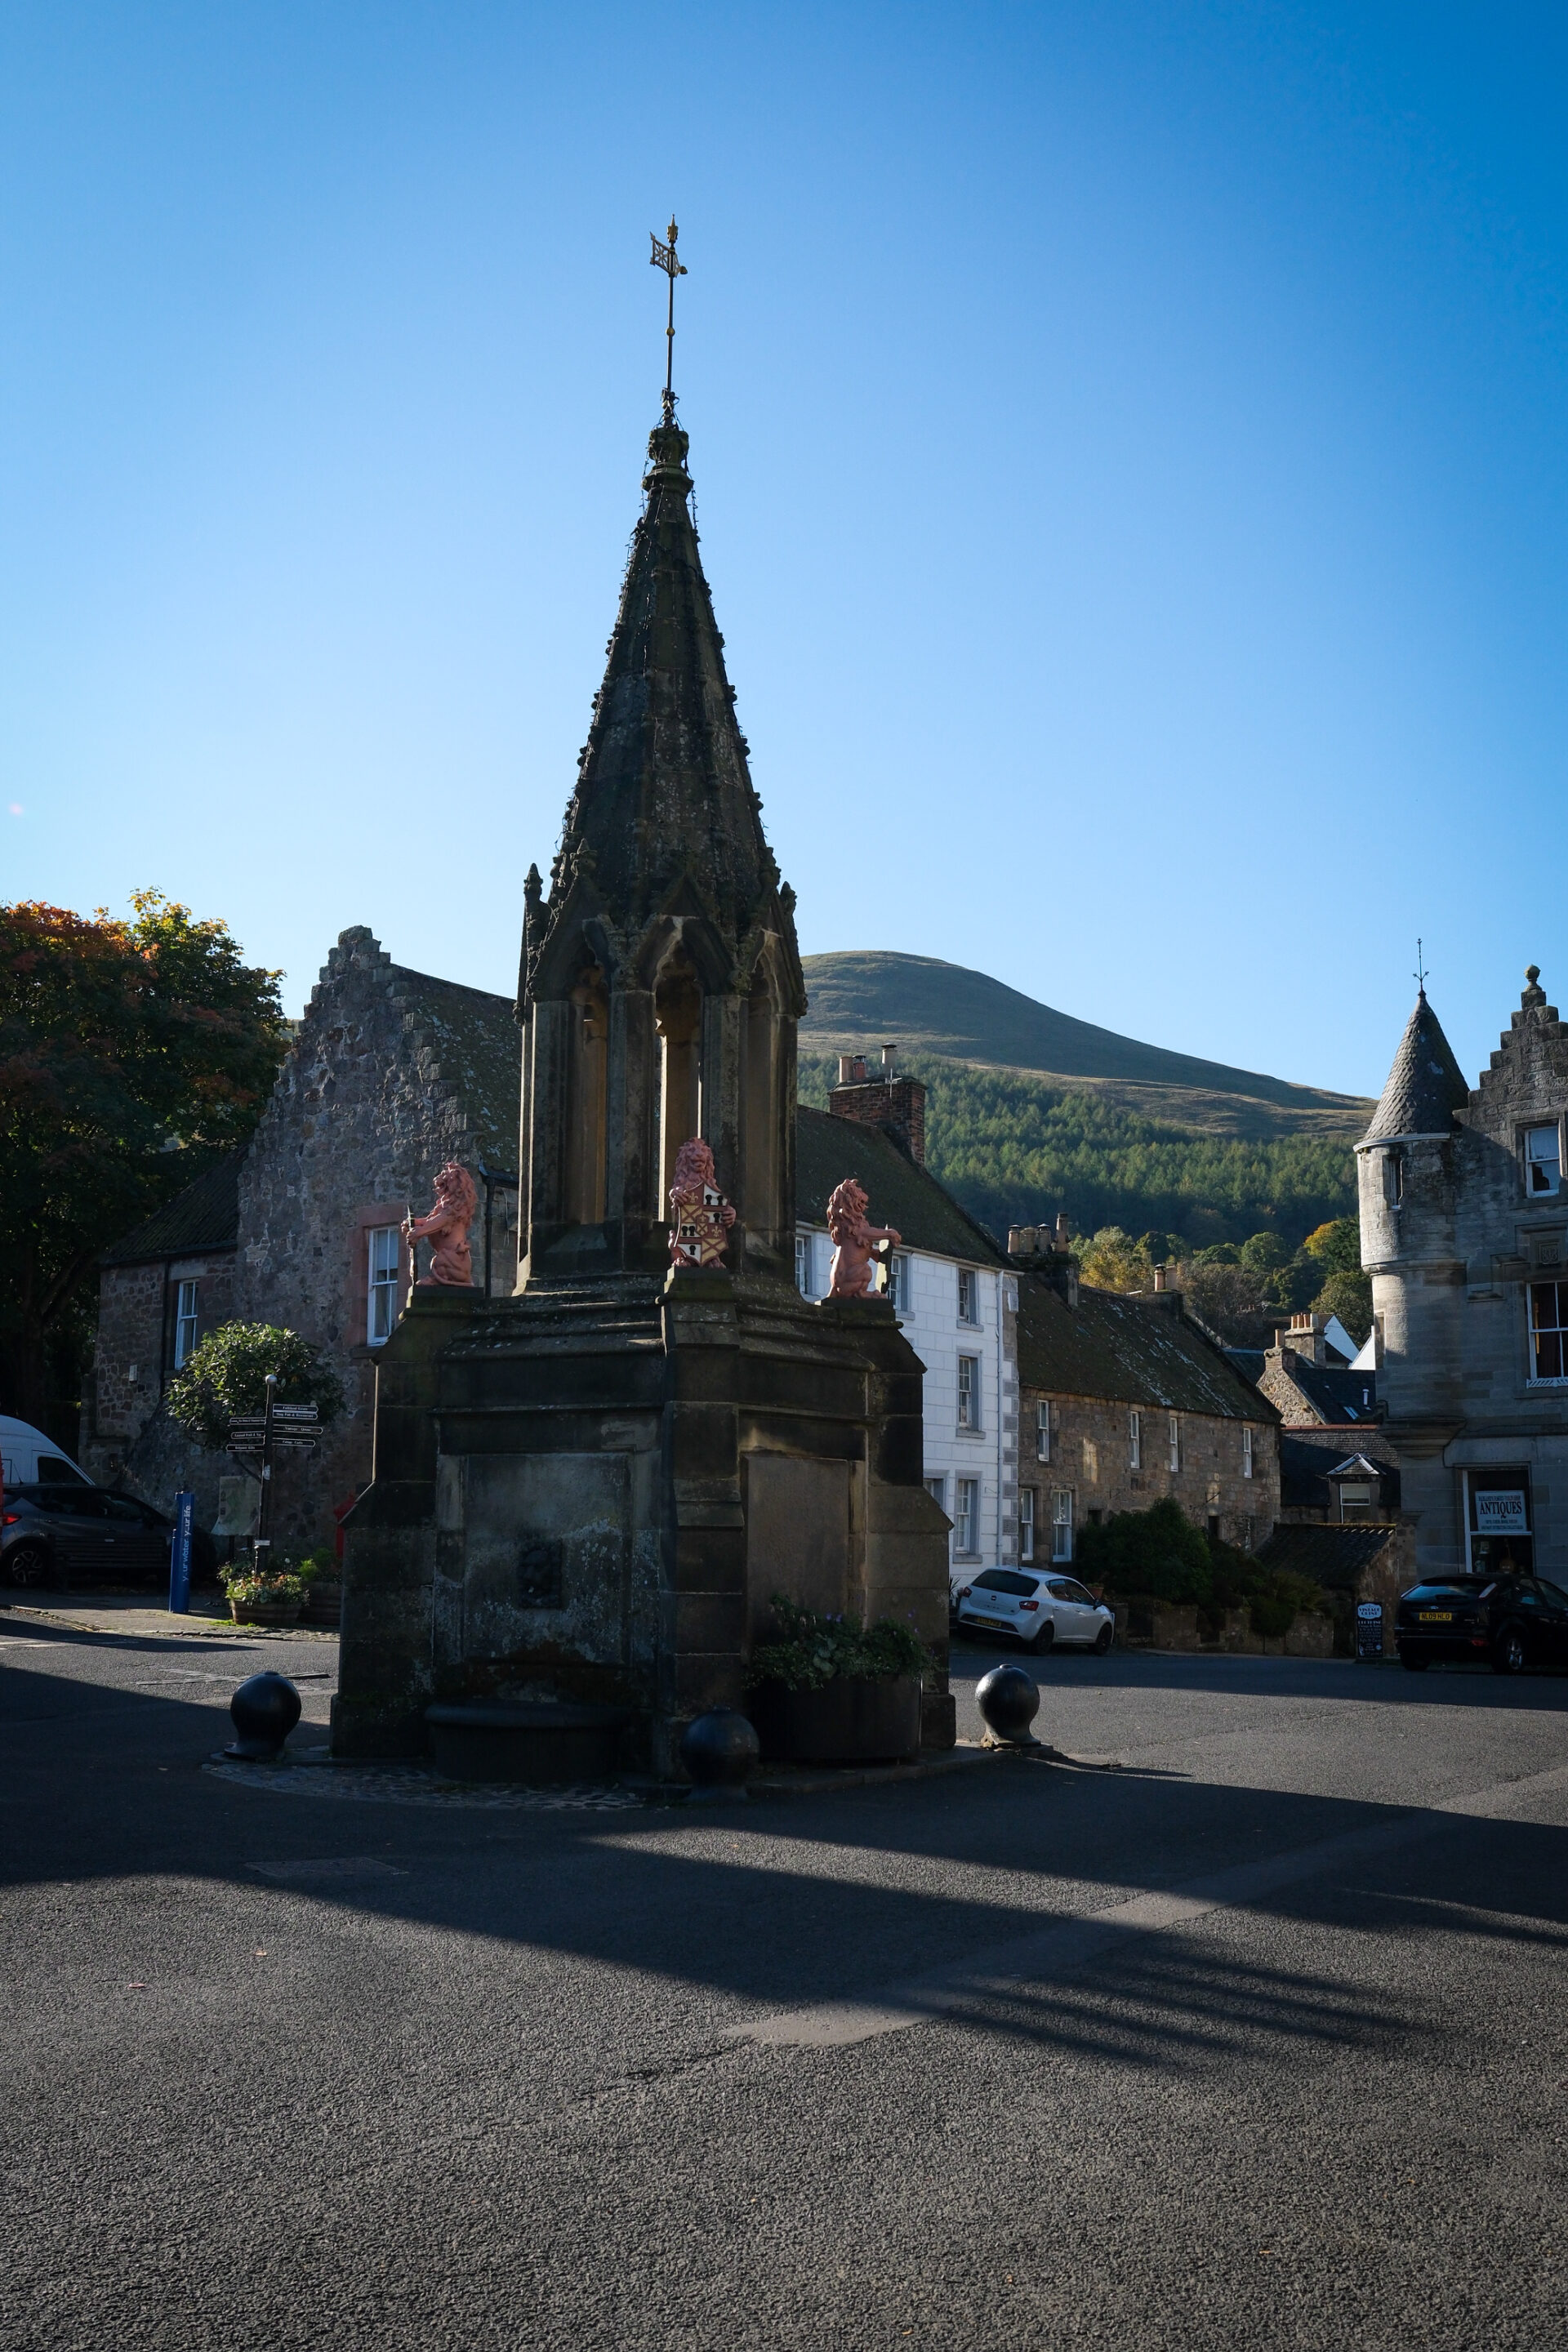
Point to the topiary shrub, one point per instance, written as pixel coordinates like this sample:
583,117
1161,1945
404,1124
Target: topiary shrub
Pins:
226,1375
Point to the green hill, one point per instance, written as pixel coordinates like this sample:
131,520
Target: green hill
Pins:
1030,1111
862,997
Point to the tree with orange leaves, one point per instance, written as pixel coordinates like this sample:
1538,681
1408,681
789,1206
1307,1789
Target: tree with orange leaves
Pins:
133,1056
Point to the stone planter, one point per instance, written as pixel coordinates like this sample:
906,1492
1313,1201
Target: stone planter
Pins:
537,1742
851,1720
266,1613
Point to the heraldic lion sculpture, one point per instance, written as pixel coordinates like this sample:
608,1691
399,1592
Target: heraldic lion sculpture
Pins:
854,1242
701,1217
447,1227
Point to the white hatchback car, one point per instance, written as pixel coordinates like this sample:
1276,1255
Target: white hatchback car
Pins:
1040,1607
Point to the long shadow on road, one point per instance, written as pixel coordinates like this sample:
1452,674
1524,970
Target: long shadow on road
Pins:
770,1907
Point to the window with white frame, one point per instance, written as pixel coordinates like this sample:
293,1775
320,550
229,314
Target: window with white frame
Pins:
1135,1441
1176,1437
1043,1417
803,1264
1549,1330
968,1294
1543,1159
1061,1524
937,1489
1246,1453
1026,1525
969,1391
967,1517
383,1243
184,1321
898,1281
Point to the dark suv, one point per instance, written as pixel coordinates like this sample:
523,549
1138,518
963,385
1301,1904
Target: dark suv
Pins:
1510,1622
62,1535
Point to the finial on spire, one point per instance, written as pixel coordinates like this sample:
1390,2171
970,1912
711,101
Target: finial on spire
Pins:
663,257
1420,972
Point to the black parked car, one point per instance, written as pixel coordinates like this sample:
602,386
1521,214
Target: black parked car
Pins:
1510,1622
62,1535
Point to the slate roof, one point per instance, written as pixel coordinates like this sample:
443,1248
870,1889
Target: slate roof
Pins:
1306,1456
475,1039
1334,1392
1426,1086
1139,1350
908,1197
1337,1554
205,1216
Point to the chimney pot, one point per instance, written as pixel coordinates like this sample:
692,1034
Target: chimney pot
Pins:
846,1069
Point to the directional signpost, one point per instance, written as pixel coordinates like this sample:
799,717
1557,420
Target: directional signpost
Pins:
281,1429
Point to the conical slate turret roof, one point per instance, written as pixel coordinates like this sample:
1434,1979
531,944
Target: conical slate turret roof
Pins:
1426,1087
664,807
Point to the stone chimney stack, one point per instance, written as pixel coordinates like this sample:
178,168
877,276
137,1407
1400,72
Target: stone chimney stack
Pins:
1042,1250
896,1106
1305,1337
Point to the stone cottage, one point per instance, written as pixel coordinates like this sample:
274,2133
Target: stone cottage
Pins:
1464,1230
1124,1401
390,1074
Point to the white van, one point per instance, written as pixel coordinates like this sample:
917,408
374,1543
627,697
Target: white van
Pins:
27,1458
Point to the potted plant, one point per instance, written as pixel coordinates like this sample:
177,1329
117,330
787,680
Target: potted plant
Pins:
831,1691
263,1596
322,1577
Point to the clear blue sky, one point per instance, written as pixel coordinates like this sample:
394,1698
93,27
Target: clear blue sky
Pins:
1129,448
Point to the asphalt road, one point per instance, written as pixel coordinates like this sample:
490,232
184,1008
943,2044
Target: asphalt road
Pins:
1260,2038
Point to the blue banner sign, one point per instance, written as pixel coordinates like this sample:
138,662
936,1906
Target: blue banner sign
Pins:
180,1555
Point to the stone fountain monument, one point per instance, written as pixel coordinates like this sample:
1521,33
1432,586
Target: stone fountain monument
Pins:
588,1492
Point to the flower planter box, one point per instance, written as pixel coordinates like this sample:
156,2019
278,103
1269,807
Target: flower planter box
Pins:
266,1613
324,1602
852,1721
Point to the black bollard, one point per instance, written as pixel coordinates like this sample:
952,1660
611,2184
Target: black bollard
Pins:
1009,1700
718,1749
265,1710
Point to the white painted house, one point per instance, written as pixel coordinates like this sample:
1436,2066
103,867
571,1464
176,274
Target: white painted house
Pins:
955,1298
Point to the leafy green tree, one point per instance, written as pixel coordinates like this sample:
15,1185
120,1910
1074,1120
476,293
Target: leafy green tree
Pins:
133,1056
1112,1260
1264,1253
1157,1553
1348,1296
226,1375
1336,1246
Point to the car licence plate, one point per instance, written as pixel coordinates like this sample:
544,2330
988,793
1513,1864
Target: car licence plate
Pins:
1436,1617
999,1623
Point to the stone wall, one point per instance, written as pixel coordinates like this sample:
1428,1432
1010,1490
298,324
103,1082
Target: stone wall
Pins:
133,1351
1090,1458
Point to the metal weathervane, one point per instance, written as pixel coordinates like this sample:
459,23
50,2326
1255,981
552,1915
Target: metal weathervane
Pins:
663,257
1421,975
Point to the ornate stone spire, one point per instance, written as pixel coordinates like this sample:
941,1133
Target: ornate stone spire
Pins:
661,978
664,814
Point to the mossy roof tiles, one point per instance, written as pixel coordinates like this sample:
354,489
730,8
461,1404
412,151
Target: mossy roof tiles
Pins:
1137,1351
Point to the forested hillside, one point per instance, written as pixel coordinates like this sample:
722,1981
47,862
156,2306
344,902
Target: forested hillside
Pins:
1016,1147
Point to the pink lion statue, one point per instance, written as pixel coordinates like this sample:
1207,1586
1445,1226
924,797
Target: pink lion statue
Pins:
854,1242
699,1214
447,1227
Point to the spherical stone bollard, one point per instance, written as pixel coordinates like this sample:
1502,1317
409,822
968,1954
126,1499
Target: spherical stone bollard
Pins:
1009,1700
718,1749
265,1711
